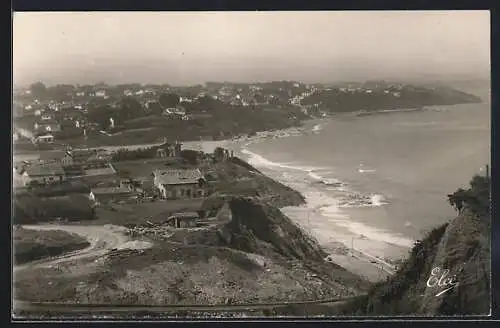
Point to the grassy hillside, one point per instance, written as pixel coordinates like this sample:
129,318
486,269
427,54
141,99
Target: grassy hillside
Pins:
238,178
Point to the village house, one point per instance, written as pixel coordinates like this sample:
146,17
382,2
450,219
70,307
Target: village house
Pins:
42,174
43,139
100,93
112,194
183,220
179,183
48,126
47,117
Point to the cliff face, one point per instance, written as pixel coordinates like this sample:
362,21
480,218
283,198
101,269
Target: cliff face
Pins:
258,227
455,256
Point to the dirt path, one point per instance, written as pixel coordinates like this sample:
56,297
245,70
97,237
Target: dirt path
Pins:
102,239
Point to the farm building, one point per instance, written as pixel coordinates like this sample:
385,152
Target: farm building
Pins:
179,183
183,220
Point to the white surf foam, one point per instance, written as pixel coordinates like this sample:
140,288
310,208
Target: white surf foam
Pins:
366,170
354,199
336,184
372,233
317,128
259,161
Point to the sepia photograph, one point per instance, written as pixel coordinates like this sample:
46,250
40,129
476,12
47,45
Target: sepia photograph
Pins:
276,164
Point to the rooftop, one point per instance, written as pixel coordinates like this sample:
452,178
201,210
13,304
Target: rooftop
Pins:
45,170
178,176
184,215
110,191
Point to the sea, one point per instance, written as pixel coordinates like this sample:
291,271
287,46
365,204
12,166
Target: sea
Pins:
377,183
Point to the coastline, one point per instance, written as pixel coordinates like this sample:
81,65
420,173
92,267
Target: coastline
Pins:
368,256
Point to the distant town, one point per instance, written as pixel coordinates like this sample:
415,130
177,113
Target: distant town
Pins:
133,113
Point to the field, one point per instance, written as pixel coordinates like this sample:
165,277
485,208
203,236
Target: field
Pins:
143,168
137,214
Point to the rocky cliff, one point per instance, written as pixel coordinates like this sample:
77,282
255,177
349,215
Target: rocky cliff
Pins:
447,273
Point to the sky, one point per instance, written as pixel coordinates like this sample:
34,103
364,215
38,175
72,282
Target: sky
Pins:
182,48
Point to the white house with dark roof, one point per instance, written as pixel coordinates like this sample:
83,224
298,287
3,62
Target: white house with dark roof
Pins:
47,138
48,126
180,183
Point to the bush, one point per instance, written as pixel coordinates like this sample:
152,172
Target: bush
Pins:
130,155
29,208
476,199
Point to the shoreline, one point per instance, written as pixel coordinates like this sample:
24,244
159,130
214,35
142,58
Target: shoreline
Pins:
372,259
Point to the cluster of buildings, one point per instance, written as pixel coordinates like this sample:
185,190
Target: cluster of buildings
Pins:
95,169
55,167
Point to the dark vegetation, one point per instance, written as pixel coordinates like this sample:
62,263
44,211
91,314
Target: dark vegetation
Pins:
125,154
29,208
30,245
335,100
61,189
462,246
475,199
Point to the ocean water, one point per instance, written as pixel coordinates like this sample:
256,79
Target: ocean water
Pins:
382,179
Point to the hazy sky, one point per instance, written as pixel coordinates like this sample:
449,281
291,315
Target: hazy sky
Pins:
194,47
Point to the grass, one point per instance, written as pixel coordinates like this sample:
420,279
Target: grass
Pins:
137,214
30,245
143,168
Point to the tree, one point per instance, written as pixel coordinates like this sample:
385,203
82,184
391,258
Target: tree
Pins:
38,90
100,115
476,199
191,156
457,200
169,100
155,108
129,108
